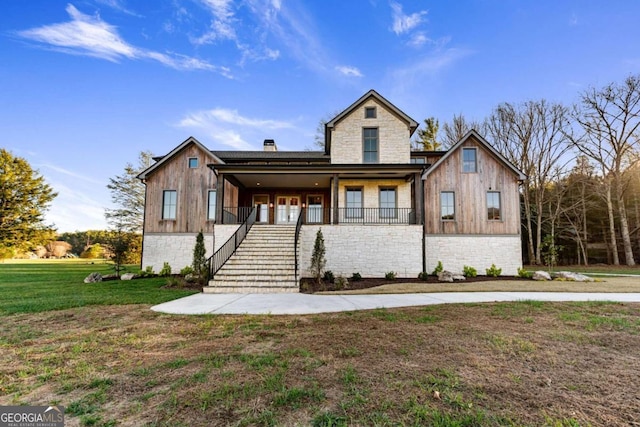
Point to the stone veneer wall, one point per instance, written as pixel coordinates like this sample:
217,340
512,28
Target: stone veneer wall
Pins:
177,248
371,250
477,251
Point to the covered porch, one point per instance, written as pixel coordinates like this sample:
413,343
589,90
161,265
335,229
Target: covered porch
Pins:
320,194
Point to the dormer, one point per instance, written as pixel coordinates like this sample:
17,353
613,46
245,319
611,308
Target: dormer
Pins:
370,131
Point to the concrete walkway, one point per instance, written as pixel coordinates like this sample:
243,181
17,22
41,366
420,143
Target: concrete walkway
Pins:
309,304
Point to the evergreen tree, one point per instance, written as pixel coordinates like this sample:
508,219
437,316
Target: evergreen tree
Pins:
318,261
427,138
199,260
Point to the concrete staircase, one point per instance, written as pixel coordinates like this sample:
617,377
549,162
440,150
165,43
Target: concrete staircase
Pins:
263,263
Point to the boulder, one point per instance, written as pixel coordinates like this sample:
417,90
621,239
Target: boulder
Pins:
127,276
575,277
93,278
445,276
541,275
459,277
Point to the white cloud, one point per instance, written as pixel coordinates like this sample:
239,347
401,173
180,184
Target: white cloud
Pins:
75,210
91,36
215,123
349,71
403,23
117,5
70,173
408,77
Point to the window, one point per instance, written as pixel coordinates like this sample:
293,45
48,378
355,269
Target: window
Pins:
420,160
469,160
493,205
211,212
388,203
354,203
370,145
169,203
447,206
193,162
369,112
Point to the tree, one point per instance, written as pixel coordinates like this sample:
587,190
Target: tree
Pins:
610,121
24,198
426,139
318,138
127,192
532,136
318,261
199,253
454,131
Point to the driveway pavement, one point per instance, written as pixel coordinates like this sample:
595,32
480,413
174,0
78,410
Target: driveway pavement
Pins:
309,304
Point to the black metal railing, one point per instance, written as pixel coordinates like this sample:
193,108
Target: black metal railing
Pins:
222,255
295,241
235,215
364,216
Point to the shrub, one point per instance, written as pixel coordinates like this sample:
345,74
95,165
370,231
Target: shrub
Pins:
390,275
525,274
199,259
356,277
423,276
439,269
468,271
328,276
318,261
148,271
493,271
341,283
166,270
174,282
187,270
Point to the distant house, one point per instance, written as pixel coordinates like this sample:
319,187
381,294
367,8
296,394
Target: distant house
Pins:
381,206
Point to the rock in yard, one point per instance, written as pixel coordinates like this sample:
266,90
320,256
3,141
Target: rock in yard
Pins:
93,278
541,275
445,276
127,276
459,277
576,277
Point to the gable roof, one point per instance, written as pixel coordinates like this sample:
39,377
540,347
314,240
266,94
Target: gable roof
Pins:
413,125
163,160
521,176
244,156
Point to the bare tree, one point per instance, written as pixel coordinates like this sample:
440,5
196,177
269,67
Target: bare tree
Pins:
318,138
532,137
610,120
454,131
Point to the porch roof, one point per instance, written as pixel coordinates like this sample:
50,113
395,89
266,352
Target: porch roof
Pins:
309,176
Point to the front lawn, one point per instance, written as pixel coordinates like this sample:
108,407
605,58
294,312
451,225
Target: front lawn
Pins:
41,285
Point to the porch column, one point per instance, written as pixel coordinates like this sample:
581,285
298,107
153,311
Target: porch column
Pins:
418,197
336,213
220,199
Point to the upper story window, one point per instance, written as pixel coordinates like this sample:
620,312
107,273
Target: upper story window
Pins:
369,112
211,212
193,162
169,204
469,160
493,206
420,160
447,206
370,145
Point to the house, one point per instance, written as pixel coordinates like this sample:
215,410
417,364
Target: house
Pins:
381,206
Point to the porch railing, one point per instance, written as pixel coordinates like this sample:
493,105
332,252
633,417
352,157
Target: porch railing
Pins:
235,215
365,216
222,255
295,241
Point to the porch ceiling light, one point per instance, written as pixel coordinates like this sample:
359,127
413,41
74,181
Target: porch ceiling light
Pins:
257,183
316,183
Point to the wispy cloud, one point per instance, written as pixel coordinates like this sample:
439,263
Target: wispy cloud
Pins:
117,5
91,36
70,173
349,71
403,23
215,124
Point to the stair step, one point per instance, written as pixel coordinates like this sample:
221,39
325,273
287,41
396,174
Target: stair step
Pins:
279,288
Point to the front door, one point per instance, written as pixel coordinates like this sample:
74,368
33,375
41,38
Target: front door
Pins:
261,202
287,209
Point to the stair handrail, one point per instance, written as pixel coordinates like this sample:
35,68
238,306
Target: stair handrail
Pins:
222,255
295,242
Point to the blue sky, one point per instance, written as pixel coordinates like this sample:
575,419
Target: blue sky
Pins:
86,85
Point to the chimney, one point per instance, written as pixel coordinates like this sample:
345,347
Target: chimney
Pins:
270,145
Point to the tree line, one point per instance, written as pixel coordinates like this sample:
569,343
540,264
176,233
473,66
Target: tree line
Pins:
580,196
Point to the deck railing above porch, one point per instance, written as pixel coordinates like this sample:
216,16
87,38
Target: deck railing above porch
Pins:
318,215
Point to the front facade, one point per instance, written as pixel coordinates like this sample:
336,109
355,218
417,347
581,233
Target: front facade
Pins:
381,206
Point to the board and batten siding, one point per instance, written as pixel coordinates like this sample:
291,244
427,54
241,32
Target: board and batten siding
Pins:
192,186
471,195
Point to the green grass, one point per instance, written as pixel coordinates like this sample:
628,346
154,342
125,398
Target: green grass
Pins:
37,286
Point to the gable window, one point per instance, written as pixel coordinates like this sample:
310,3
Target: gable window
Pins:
193,162
369,112
370,145
469,160
388,203
354,203
169,204
493,206
211,211
447,206
420,160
